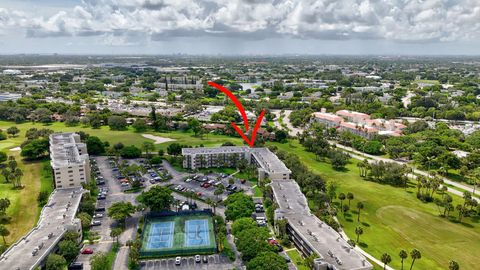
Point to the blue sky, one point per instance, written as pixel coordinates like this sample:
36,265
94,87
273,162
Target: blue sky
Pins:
410,27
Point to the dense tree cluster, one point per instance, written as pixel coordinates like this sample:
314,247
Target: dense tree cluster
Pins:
238,205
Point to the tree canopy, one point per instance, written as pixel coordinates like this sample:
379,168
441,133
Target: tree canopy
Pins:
157,198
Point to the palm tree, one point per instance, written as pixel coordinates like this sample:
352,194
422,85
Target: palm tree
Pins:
115,233
341,197
415,254
403,255
349,197
386,259
4,232
358,232
453,265
359,207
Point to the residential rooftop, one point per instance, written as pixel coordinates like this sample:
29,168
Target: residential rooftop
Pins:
326,242
269,161
57,217
214,150
64,150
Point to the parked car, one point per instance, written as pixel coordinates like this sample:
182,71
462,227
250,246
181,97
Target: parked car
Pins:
178,261
96,223
75,266
87,251
198,258
98,215
205,259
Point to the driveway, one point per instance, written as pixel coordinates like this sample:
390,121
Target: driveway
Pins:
115,194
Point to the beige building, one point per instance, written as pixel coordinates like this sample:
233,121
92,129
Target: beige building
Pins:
69,160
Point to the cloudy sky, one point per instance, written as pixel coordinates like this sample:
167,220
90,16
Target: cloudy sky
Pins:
240,26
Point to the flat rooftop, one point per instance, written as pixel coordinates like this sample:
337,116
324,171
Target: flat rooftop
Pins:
64,150
319,236
55,219
269,161
214,150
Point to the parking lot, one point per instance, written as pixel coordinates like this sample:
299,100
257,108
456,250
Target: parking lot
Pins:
204,185
214,262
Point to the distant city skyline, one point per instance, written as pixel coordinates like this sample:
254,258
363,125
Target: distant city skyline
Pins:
241,27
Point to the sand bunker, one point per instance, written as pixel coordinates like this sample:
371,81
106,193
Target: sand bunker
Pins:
157,139
15,149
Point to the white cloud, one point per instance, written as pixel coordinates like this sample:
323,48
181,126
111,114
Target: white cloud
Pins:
398,20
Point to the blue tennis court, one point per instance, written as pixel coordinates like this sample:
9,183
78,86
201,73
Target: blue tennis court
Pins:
196,233
161,235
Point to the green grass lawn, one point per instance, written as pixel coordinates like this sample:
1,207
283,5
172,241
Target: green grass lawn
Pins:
257,192
23,203
394,219
127,137
297,259
36,178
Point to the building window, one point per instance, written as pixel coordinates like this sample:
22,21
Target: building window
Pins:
57,173
81,170
59,186
71,184
71,171
71,180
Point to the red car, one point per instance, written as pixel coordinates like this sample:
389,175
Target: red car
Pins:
206,185
87,251
272,241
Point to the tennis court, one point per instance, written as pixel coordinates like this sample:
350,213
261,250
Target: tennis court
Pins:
196,233
174,234
160,235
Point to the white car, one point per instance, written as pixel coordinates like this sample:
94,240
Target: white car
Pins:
178,261
197,258
98,215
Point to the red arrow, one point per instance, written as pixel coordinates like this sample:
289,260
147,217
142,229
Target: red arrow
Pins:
240,108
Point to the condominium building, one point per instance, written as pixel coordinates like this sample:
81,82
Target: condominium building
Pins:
269,166
358,123
309,234
226,156
69,160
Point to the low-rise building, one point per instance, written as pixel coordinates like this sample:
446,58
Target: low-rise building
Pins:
309,234
226,156
57,218
269,166
358,123
69,160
